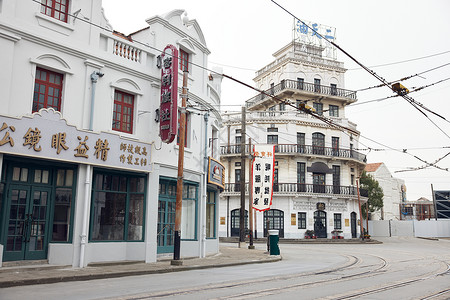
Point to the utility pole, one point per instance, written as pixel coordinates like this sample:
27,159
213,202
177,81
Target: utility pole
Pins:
179,200
360,214
250,191
242,183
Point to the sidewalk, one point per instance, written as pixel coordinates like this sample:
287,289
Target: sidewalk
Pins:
42,274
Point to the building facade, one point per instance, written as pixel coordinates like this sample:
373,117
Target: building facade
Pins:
316,167
394,190
85,176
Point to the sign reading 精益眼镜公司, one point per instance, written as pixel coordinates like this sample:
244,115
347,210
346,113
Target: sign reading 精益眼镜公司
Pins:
262,176
168,109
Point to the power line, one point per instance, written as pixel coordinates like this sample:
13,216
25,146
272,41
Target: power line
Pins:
324,119
417,105
403,61
397,95
403,79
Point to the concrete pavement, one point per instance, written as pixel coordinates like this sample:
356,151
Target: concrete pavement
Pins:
41,274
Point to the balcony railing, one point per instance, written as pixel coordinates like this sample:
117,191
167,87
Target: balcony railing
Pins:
292,188
302,86
294,149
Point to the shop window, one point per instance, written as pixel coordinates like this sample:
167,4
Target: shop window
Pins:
58,9
62,213
301,220
47,90
118,208
188,215
184,60
123,112
211,215
337,221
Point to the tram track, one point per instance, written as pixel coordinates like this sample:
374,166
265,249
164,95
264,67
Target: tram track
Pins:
357,267
352,262
356,294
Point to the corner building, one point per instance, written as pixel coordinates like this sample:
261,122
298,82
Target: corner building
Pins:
316,167
85,176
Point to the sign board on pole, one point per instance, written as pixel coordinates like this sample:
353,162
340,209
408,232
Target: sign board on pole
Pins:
168,110
262,176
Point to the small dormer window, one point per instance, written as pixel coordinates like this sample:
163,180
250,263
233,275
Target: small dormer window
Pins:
58,9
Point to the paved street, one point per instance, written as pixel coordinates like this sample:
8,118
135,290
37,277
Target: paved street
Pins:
400,268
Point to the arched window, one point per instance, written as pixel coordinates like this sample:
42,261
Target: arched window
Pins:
318,143
276,221
235,221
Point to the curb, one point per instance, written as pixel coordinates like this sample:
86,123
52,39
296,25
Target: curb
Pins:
86,277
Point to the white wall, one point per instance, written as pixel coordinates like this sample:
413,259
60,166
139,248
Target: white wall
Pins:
426,228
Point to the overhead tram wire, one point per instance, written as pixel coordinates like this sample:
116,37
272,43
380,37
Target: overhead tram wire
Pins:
397,95
229,77
417,105
403,61
402,79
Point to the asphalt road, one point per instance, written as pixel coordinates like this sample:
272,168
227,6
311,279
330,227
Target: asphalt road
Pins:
400,268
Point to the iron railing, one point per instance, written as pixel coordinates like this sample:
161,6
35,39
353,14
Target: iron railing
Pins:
291,188
301,150
302,86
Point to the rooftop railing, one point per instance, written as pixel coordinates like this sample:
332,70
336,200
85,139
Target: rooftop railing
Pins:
289,84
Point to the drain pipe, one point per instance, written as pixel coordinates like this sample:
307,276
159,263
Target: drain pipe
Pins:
205,190
83,236
94,78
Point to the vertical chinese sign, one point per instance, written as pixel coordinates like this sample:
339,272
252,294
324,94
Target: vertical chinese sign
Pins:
168,110
262,175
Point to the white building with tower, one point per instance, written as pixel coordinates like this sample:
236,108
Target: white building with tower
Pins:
315,165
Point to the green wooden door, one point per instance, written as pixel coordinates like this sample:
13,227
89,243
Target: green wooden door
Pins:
27,223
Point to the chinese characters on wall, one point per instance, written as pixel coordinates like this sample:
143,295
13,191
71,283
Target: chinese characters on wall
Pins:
49,136
262,175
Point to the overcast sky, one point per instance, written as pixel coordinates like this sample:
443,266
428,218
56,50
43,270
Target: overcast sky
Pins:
410,36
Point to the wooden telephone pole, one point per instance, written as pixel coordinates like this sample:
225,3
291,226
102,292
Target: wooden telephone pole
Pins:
179,199
242,183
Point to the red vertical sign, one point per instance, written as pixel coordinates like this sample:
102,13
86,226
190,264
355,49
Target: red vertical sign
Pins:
168,110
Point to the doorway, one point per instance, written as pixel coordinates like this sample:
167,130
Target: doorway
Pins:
353,224
320,224
235,213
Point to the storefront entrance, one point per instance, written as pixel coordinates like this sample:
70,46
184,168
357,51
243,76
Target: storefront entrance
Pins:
320,224
275,219
37,209
353,224
27,234
166,214
235,220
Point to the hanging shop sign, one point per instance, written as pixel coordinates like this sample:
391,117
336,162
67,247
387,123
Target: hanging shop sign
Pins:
47,135
168,110
216,173
262,176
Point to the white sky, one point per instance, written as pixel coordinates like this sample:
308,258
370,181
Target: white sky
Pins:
243,35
